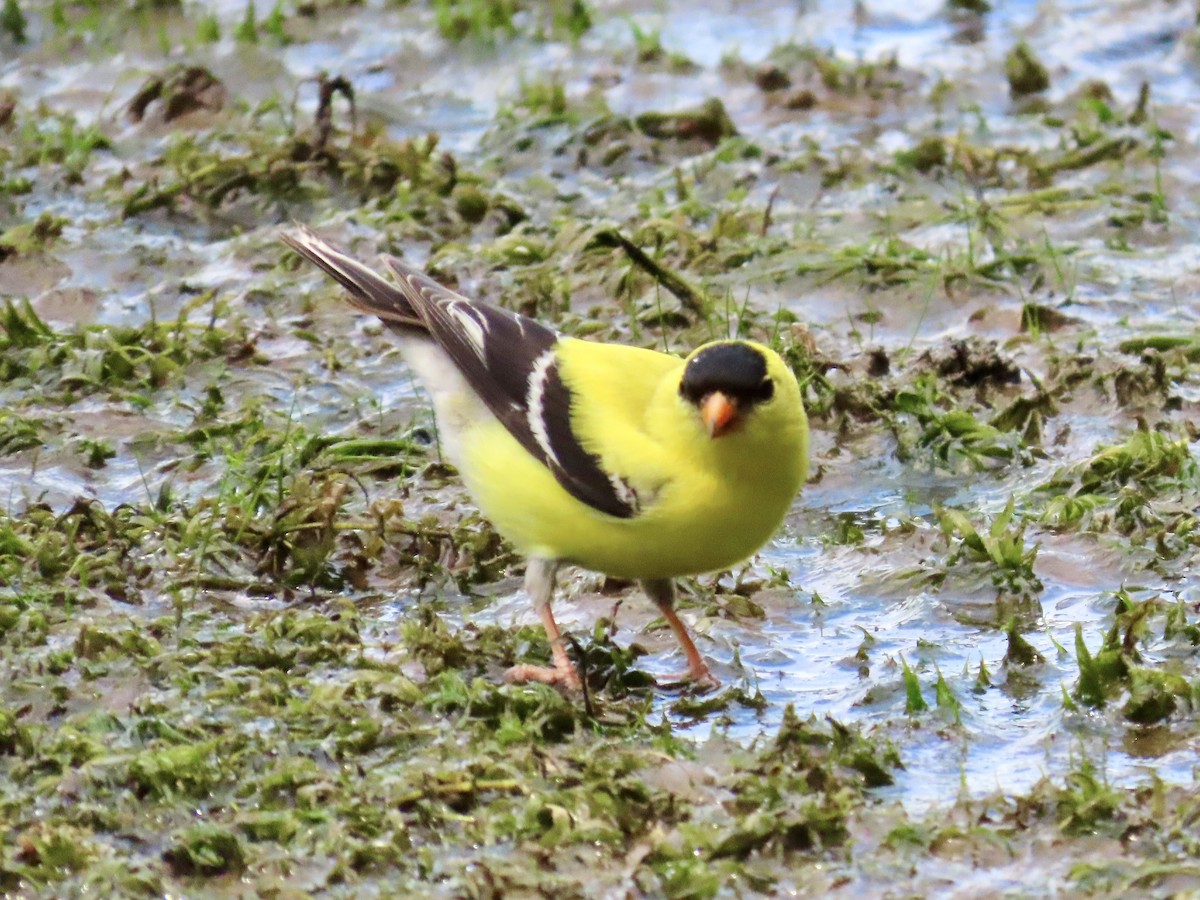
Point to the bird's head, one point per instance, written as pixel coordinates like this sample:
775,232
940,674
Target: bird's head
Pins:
734,383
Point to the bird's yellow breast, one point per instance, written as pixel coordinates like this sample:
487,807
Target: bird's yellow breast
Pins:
691,524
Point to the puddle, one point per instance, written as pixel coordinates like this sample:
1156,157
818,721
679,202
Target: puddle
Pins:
332,375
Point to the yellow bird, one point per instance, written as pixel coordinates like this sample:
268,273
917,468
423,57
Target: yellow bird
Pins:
625,461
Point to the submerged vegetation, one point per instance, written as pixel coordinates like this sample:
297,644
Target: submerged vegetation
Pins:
251,628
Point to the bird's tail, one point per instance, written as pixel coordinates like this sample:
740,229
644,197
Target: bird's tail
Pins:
368,291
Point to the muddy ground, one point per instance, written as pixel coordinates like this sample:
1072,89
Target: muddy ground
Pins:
251,627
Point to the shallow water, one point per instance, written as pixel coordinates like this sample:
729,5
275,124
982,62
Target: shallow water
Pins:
111,271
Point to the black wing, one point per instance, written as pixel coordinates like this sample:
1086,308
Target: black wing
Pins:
508,359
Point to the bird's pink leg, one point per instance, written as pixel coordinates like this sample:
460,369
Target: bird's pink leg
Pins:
539,584
662,592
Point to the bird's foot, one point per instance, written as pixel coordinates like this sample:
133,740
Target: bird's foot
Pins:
700,681
564,675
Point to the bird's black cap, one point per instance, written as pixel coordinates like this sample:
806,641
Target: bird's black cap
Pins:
734,368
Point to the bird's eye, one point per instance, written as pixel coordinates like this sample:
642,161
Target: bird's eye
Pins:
765,391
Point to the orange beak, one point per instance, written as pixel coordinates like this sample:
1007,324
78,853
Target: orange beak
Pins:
719,414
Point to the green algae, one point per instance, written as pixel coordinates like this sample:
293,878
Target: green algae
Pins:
1025,72
246,628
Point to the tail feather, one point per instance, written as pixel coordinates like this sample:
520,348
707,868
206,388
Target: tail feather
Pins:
368,291
421,290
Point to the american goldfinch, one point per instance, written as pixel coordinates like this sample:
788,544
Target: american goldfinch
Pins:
625,461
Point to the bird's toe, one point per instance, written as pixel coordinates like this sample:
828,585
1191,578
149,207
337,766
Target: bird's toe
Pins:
700,682
524,673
